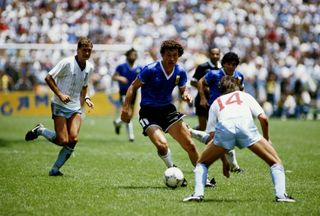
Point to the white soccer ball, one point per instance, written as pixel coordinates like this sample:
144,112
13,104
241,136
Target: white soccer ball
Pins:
173,177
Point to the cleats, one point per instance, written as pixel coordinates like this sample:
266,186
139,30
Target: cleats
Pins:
193,198
116,127
237,170
55,173
33,133
286,198
211,183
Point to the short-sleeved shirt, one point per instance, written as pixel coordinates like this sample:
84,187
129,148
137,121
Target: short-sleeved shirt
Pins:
200,72
70,79
230,116
157,86
129,73
213,78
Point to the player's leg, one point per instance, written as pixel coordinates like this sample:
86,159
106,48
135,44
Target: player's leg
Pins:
202,122
180,132
199,135
62,138
232,159
265,151
130,125
157,137
210,154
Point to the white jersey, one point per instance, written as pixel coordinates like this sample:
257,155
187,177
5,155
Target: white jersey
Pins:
70,80
235,105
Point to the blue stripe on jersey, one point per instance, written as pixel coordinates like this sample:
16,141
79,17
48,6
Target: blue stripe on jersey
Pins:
213,78
130,73
156,89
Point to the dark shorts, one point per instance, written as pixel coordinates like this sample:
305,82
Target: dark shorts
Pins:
123,96
163,117
58,110
200,110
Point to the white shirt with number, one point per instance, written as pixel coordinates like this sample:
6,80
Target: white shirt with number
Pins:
235,105
70,79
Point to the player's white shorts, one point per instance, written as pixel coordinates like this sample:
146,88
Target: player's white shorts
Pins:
236,132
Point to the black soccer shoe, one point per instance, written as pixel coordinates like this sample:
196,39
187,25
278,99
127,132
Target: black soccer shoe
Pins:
55,173
116,127
33,133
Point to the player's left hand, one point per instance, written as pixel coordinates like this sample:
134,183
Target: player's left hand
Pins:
90,104
187,98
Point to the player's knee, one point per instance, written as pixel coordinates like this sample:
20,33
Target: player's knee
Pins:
162,147
61,141
73,139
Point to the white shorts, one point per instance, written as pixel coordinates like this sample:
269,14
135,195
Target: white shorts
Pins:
236,132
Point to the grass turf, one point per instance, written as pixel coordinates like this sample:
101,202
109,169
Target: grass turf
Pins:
108,175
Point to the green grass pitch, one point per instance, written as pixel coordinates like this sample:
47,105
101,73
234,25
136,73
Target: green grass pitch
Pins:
108,175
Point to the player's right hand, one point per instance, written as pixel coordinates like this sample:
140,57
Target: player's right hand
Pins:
125,115
65,98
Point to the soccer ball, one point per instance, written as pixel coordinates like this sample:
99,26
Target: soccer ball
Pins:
173,177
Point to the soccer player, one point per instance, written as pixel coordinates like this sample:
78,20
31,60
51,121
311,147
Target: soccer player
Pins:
125,74
157,114
69,82
202,69
212,79
230,117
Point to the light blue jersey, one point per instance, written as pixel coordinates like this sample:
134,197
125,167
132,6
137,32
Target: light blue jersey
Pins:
157,86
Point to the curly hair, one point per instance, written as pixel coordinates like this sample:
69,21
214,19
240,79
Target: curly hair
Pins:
83,41
171,45
230,57
130,51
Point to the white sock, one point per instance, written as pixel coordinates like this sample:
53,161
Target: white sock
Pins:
199,135
200,178
167,159
231,157
118,121
130,130
278,180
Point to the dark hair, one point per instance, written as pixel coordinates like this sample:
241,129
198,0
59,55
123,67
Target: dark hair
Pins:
171,45
130,51
228,84
229,58
83,41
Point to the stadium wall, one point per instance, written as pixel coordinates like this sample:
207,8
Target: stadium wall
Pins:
27,103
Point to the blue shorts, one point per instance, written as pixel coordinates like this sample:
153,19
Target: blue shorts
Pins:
58,110
163,117
236,132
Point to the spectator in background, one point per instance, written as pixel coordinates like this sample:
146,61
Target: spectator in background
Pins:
125,74
202,69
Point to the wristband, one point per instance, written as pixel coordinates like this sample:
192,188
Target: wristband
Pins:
87,98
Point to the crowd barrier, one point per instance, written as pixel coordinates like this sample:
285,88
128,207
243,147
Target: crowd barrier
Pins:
27,103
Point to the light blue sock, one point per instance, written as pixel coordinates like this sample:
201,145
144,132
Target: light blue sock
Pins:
48,134
63,156
200,178
278,180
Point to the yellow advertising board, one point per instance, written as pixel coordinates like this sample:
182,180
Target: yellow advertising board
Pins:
27,103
